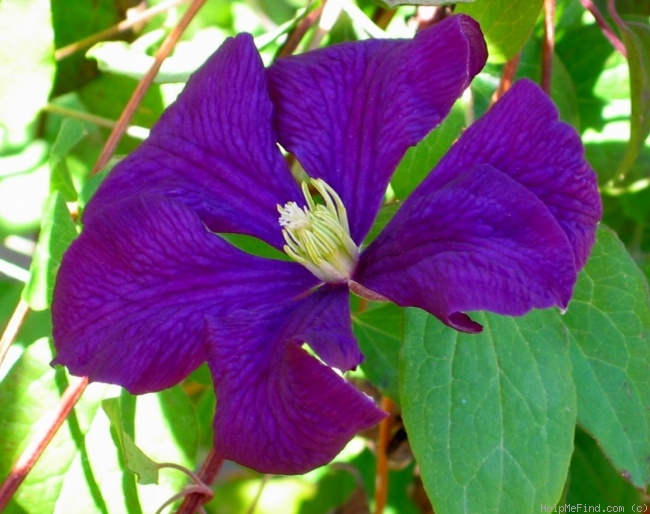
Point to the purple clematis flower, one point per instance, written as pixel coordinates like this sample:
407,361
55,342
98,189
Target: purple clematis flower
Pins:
150,290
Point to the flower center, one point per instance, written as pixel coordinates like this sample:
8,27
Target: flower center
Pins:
318,236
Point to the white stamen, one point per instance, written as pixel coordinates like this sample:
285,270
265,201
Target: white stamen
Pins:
318,236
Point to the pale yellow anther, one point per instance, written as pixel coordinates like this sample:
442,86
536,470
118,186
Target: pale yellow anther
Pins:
318,235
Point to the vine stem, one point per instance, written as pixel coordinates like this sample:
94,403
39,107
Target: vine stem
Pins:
30,456
548,47
381,477
35,449
133,131
507,78
13,327
129,110
298,33
207,474
72,48
611,6
604,26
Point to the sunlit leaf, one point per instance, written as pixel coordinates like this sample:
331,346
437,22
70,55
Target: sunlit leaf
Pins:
563,92
72,131
28,158
134,459
597,71
379,332
636,37
133,60
507,24
29,397
72,24
331,491
609,321
81,467
422,158
396,3
26,66
57,232
22,199
490,416
107,95
23,187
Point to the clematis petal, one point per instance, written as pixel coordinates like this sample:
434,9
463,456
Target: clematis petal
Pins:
323,319
134,290
280,410
349,112
521,136
481,242
214,150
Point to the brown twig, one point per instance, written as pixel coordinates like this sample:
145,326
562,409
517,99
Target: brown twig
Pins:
128,112
110,32
74,391
296,35
428,15
207,474
507,78
260,490
13,327
381,477
611,6
383,17
604,26
37,446
131,130
548,46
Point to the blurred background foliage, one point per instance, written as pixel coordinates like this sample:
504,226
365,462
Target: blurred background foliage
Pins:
64,81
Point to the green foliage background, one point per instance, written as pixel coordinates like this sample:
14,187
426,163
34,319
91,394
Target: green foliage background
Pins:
548,409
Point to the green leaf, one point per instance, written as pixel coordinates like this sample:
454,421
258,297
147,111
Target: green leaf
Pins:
490,416
422,158
563,92
593,480
636,37
609,322
28,158
23,187
331,491
80,470
72,24
63,479
507,24
72,131
380,332
26,66
107,95
22,198
57,232
395,3
133,59
182,428
134,459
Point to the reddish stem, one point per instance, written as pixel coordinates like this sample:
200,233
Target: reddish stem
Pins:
548,47
381,479
207,474
110,32
36,448
383,17
602,23
72,394
507,78
128,112
13,327
296,35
